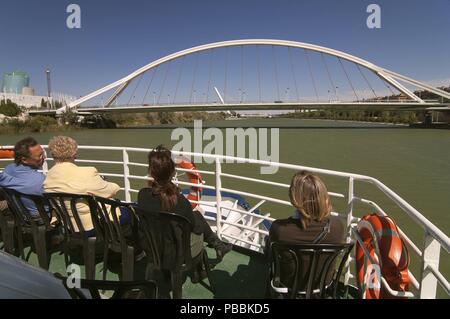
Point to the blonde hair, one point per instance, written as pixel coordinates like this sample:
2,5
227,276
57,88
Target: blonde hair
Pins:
63,148
309,195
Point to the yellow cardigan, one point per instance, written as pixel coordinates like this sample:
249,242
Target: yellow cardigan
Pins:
67,177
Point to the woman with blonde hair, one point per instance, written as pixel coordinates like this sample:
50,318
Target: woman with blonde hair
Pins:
312,221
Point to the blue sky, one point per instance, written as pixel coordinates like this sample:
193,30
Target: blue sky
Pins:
118,37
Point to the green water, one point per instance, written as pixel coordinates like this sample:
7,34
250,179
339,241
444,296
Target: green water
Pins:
415,163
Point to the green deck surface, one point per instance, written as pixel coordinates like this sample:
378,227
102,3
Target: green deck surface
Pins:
238,276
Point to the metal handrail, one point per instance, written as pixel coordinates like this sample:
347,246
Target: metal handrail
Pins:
442,238
432,233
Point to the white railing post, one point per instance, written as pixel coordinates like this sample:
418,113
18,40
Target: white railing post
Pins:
351,184
430,256
126,174
219,197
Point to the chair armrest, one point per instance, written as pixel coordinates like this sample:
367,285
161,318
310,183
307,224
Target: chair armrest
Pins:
281,290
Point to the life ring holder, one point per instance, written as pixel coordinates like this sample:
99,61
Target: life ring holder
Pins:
194,177
6,153
388,257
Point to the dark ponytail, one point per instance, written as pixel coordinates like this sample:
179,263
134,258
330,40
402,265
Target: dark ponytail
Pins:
162,168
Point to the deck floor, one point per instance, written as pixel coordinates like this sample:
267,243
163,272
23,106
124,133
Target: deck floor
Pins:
238,276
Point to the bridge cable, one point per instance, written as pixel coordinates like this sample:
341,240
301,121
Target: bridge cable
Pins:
150,84
210,74
367,81
348,78
242,73
164,81
135,88
179,79
311,73
226,74
329,75
388,86
276,71
194,77
293,73
259,72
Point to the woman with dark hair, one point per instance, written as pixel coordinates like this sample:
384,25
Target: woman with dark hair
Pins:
163,195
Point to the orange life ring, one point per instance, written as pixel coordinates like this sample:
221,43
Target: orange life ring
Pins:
194,177
388,257
6,153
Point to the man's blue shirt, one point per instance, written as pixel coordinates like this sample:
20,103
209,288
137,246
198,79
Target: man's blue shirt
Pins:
25,180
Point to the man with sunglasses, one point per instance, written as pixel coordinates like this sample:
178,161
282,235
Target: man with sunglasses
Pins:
24,175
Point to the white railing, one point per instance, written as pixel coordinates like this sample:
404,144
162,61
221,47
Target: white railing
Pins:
429,254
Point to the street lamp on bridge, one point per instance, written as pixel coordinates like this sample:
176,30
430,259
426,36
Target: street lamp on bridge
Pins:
240,95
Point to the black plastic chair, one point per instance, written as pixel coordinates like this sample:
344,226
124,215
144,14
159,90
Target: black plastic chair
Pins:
90,289
23,222
76,237
311,270
122,239
7,229
168,247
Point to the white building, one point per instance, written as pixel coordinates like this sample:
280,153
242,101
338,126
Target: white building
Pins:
29,100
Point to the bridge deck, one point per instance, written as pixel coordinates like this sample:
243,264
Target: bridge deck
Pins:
255,107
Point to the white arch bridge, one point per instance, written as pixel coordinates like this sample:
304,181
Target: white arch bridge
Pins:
259,74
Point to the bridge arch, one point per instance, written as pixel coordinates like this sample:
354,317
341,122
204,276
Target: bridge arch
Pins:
387,75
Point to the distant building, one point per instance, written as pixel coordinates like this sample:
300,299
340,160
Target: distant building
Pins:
14,82
16,87
32,101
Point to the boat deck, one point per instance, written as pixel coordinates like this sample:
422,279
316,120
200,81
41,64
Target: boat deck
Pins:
238,276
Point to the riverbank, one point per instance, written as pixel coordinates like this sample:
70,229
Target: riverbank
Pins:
164,118
275,123
38,124
378,116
